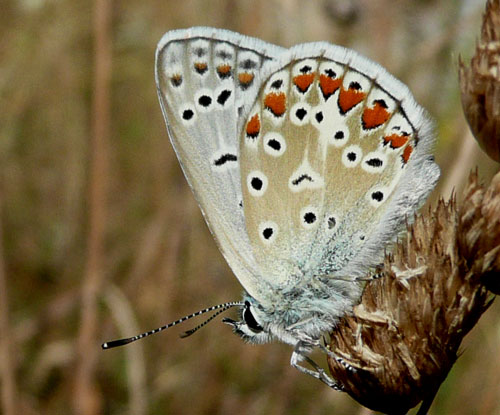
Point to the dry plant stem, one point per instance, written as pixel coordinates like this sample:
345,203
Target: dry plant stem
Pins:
480,84
404,336
85,397
7,366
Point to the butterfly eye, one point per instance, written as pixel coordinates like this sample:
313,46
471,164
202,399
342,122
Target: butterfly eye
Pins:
250,319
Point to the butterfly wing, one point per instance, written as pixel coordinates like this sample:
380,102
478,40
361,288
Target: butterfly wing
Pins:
341,158
204,78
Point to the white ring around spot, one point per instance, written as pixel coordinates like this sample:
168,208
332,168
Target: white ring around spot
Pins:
339,142
274,137
312,210
252,188
373,156
299,106
264,227
352,156
187,107
200,93
372,200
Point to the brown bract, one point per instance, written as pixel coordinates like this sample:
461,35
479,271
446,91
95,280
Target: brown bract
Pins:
480,84
404,336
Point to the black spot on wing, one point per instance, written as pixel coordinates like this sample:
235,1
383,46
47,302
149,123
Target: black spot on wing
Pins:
378,196
331,222
187,114
277,84
309,218
267,233
223,96
200,52
301,178
374,162
256,183
205,101
301,113
274,144
224,55
248,64
225,158
382,103
330,73
355,85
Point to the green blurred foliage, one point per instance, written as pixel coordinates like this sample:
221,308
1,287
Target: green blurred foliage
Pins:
160,259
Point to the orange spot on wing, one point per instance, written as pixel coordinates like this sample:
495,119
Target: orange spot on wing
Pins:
176,79
328,85
406,153
303,82
396,140
276,103
200,67
245,78
375,117
224,70
253,126
349,98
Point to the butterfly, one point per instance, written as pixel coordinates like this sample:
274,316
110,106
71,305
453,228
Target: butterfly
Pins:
306,163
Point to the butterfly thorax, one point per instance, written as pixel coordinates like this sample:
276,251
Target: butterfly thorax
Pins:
299,313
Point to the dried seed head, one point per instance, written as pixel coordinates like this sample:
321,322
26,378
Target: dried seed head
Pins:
404,336
480,84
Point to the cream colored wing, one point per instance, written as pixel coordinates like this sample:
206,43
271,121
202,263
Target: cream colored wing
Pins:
334,157
206,78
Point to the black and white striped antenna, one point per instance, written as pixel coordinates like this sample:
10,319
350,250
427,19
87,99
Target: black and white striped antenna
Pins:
208,320
221,308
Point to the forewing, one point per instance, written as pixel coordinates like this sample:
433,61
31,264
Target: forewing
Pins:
205,80
340,160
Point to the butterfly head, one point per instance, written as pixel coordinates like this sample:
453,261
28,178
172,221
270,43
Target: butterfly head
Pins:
282,322
252,326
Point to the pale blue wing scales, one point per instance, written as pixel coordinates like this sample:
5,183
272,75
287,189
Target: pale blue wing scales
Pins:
339,163
205,78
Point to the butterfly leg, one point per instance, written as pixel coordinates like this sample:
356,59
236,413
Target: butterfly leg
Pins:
317,373
336,357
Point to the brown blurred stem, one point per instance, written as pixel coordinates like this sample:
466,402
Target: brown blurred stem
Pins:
480,84
7,366
85,397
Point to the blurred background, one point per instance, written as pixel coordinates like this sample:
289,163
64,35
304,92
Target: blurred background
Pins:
101,238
